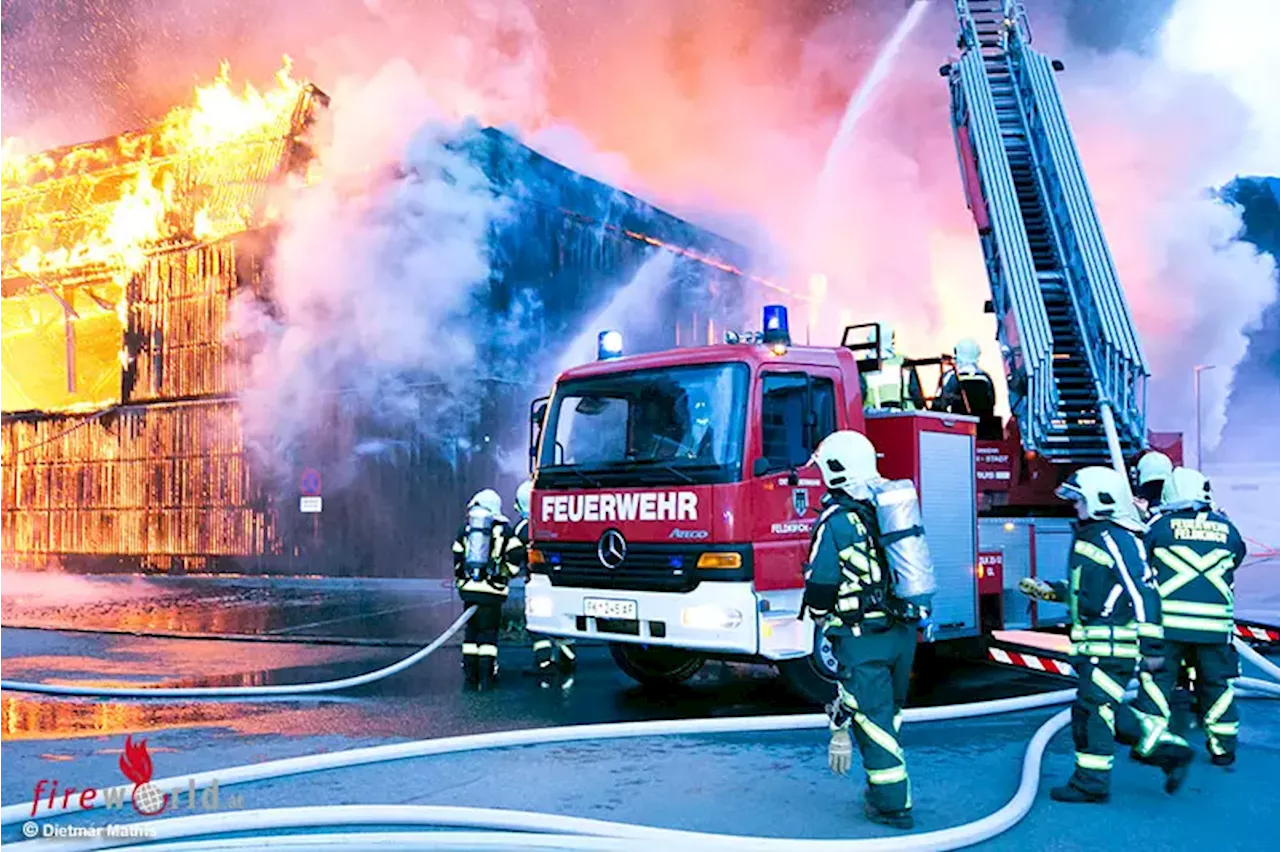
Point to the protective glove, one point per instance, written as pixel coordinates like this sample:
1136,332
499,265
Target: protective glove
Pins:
1152,665
1038,589
840,751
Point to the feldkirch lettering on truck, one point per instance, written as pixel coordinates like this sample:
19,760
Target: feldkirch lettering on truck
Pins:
636,506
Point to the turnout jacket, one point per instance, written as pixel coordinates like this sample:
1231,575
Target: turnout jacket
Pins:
847,582
1195,551
966,390
1110,590
492,588
516,555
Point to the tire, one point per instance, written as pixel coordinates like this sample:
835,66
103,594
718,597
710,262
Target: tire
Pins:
812,678
655,665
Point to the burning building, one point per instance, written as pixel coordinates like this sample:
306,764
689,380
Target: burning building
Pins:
123,438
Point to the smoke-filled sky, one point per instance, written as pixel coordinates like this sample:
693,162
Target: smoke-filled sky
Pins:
723,110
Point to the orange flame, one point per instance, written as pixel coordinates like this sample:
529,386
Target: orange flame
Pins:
135,763
141,190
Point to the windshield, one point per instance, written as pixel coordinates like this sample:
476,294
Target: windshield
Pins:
669,425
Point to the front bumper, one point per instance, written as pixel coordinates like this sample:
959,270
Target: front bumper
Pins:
691,620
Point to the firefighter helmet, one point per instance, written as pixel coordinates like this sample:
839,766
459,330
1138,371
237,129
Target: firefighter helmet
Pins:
846,459
1154,466
524,493
488,499
967,352
1100,490
1188,486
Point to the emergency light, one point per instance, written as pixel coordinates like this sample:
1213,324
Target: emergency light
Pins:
776,330
609,345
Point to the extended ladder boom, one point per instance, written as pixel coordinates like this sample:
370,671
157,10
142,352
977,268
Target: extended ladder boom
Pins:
1077,377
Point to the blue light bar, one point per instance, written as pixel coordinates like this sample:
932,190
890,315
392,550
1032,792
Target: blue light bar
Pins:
609,345
776,329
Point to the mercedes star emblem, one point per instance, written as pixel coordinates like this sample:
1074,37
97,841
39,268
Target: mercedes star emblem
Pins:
612,549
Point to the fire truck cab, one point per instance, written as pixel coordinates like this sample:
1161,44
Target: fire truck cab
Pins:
674,497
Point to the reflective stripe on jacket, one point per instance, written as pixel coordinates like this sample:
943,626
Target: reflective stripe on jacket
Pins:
1195,552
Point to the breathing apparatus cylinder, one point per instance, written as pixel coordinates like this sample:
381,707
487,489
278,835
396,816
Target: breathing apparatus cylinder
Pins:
479,542
903,542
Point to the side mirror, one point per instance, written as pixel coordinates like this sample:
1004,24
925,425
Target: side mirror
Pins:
760,466
537,416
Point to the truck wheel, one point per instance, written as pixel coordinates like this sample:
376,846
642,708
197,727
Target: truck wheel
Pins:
812,678
654,665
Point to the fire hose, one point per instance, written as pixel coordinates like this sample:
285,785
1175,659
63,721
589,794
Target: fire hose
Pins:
284,689
505,829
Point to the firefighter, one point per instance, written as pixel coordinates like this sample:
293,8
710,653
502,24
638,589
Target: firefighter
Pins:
699,438
545,648
883,388
1195,551
1115,625
848,592
967,388
1153,469
481,574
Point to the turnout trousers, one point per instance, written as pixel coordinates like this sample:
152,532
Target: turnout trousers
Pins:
1210,669
1099,698
1145,724
1100,717
480,639
545,649
876,674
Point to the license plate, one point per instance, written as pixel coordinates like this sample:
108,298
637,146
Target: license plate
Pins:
609,608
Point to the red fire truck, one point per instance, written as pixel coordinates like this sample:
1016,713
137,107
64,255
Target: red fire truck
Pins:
673,502
674,499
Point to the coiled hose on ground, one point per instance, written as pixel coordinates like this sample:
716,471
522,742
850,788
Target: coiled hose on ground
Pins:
505,829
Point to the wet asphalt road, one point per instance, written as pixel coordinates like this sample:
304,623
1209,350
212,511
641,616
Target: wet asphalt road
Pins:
773,784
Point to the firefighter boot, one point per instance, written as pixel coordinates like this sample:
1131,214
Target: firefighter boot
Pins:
470,671
488,673
1071,793
1175,771
1223,759
893,819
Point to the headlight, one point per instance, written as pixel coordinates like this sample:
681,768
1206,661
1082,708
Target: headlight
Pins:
710,617
538,607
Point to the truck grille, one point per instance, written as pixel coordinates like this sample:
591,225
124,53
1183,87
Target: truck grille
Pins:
647,567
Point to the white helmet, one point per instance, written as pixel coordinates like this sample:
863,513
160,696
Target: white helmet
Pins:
488,499
1187,486
967,352
846,459
523,494
1102,490
1154,466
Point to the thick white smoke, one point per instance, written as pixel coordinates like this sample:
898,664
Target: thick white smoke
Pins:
733,108
1158,134
1234,45
634,310
375,274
